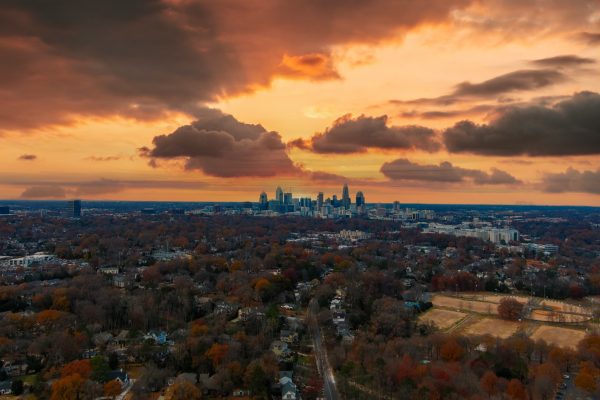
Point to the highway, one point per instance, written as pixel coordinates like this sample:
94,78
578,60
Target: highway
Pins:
325,370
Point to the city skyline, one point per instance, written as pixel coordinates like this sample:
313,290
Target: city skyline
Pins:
457,102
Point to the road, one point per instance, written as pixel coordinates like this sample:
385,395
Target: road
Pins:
325,370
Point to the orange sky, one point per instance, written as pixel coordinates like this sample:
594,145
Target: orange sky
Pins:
112,103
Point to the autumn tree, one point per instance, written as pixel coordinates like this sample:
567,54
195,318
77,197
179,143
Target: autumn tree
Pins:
68,388
489,383
112,388
516,390
183,389
510,309
216,352
81,367
451,350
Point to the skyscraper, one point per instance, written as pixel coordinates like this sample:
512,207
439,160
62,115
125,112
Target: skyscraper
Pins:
320,201
360,199
263,201
346,197
76,208
279,195
287,198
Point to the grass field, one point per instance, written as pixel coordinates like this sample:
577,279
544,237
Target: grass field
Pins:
442,319
492,326
562,337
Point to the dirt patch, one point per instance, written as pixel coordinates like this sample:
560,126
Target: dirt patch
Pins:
561,337
464,304
492,326
442,319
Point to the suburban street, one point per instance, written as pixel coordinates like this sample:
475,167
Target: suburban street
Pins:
325,370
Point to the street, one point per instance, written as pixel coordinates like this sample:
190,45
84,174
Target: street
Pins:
325,370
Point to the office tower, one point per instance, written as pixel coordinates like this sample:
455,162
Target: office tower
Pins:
263,201
4,210
346,197
76,208
320,201
396,206
360,199
287,198
279,195
334,200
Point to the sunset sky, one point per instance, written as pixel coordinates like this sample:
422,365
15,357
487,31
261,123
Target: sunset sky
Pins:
438,101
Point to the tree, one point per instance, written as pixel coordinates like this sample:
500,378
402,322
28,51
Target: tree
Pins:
451,350
489,383
183,389
99,368
81,367
16,387
112,388
516,390
68,388
510,309
216,353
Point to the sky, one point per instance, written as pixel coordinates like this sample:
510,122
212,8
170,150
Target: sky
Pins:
444,101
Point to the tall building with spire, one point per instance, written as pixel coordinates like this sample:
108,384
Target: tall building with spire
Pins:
346,197
279,195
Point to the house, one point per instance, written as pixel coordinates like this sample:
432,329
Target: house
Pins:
5,387
118,375
121,281
159,337
279,348
240,393
289,391
15,368
109,270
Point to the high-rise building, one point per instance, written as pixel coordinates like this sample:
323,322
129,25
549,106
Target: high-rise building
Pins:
76,208
279,195
287,198
360,199
396,206
320,201
334,200
263,201
346,197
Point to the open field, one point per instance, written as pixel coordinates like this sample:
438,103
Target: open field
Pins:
494,327
562,337
555,316
463,304
443,319
566,307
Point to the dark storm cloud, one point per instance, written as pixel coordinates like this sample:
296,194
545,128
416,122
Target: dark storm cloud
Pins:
44,192
357,135
141,58
405,170
564,61
219,145
520,80
571,127
28,157
572,181
527,79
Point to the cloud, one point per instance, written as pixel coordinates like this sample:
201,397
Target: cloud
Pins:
348,135
591,38
564,61
527,79
572,181
443,114
28,157
315,66
219,145
62,189
520,80
571,127
148,57
103,158
44,192
405,170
